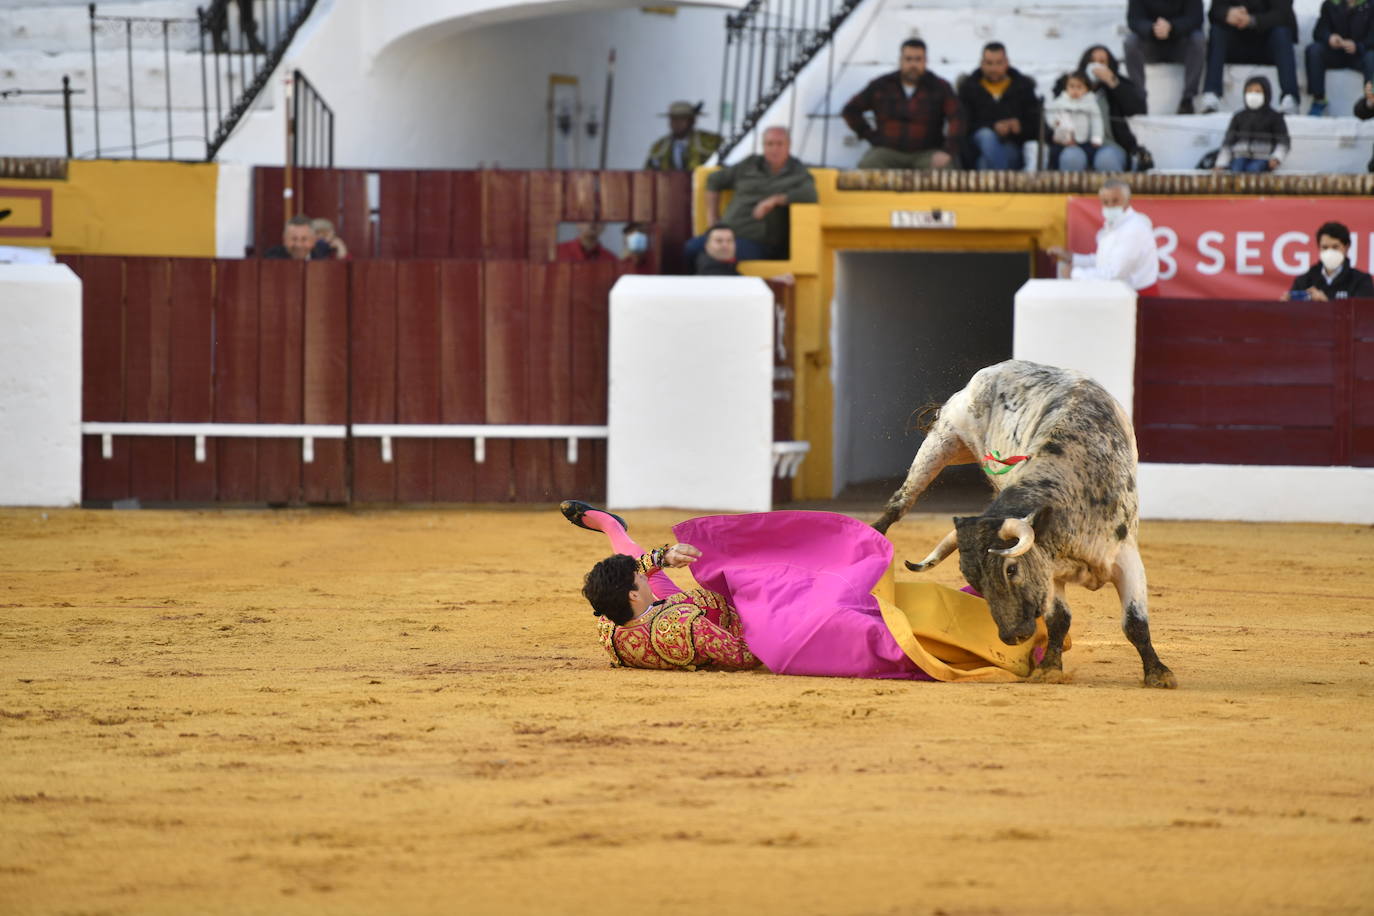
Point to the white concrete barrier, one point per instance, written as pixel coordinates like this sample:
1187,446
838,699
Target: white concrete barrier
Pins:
40,385
1257,493
1087,325
690,418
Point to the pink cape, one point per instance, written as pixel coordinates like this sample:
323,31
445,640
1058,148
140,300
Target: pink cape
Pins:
802,584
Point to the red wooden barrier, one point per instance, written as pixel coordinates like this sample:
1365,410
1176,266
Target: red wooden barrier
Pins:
1234,382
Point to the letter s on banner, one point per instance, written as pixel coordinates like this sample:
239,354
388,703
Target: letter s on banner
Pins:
1207,245
1166,240
1245,250
1292,268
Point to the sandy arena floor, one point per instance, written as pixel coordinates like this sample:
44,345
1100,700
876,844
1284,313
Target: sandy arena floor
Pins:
407,712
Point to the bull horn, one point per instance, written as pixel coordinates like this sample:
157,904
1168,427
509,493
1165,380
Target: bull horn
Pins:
1021,530
942,550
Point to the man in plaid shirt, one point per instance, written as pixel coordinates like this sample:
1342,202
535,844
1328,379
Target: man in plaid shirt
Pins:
920,123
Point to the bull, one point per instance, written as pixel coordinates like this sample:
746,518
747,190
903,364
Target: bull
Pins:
1061,456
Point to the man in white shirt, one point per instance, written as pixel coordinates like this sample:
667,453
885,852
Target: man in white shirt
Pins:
1125,245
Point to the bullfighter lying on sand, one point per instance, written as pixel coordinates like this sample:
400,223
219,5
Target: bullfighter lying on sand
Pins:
806,593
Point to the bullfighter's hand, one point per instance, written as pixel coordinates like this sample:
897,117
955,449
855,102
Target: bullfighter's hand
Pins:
680,555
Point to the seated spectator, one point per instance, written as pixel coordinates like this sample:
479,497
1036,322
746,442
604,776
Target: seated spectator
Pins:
1333,276
717,258
1076,125
586,247
1364,110
1166,31
919,123
764,186
685,147
1257,138
1126,249
1252,32
297,242
1001,111
328,244
634,249
1342,39
1120,98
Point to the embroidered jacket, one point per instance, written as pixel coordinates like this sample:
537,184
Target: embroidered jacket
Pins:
691,629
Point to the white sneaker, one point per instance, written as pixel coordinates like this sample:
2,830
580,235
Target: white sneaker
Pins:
1288,105
1208,103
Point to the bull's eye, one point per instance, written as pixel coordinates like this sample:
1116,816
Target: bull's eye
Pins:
1012,570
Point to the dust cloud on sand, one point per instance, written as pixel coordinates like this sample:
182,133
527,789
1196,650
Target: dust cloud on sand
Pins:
408,712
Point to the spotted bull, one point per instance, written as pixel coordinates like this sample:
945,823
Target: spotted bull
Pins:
1060,454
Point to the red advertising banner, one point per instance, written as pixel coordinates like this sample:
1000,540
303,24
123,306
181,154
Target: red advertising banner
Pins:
1236,248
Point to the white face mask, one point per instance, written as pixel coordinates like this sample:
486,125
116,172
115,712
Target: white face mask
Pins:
637,242
1254,99
1332,258
1110,215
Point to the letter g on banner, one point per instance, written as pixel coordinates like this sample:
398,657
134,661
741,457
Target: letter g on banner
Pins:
1304,261
1166,240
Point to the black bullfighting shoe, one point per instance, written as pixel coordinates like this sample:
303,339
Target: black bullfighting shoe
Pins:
573,510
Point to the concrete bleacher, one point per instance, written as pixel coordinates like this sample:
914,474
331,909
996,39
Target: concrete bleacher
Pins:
1044,42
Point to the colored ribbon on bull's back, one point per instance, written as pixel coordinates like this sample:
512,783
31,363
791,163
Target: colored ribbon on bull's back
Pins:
995,457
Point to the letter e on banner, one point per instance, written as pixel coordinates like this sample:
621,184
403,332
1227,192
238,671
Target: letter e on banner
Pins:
1245,251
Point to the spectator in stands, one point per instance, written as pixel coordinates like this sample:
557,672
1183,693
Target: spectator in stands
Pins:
1257,138
685,147
919,122
634,249
1333,276
1120,98
1001,110
1364,110
717,258
1166,31
1125,244
1252,32
764,186
1076,124
217,24
585,247
297,242
1342,39
327,244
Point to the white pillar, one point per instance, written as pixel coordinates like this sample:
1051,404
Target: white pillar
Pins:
691,394
1087,325
40,385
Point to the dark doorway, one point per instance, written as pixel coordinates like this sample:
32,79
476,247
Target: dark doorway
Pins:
910,328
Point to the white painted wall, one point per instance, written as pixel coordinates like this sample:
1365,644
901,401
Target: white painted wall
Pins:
690,411
1084,325
40,385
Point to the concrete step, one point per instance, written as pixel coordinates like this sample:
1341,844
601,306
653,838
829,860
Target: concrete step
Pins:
57,27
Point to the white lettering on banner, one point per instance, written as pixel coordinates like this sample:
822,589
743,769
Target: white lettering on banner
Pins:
1206,245
1166,240
1244,252
1304,261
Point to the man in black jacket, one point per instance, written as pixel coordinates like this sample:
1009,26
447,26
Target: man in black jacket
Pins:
1166,31
1252,32
1342,39
1333,276
1001,111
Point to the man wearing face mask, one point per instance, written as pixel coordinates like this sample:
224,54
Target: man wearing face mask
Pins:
634,250
1125,245
1333,276
1257,138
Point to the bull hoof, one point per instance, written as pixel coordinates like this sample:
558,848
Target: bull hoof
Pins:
1161,677
1049,676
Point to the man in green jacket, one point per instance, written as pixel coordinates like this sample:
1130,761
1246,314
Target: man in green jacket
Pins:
686,147
764,186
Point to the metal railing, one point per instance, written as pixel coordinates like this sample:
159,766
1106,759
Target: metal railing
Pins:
767,43
237,55
66,92
312,126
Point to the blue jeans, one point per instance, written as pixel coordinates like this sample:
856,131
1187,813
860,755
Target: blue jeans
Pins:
745,250
996,152
1081,156
1321,58
1249,165
1247,46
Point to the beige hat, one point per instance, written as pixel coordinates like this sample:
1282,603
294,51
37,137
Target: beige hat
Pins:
683,110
